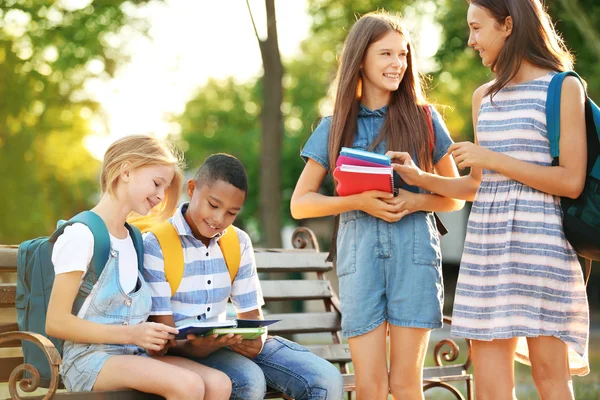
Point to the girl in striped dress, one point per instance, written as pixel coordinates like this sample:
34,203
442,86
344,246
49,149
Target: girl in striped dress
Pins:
520,291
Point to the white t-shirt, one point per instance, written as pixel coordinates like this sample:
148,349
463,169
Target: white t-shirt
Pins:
73,251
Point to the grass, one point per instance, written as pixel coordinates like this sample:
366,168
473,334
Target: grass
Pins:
586,387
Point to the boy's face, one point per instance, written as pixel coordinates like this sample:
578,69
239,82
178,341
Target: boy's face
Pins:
213,207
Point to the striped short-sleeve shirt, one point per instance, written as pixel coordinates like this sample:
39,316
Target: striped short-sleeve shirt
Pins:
206,285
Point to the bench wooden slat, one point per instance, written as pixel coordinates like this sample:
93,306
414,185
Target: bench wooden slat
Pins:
8,327
337,353
295,290
334,353
7,366
434,373
7,295
348,382
12,344
305,323
8,258
111,395
291,261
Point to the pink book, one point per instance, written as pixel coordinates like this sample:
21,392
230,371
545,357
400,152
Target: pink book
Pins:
355,161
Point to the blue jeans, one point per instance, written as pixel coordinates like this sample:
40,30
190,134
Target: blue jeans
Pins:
282,365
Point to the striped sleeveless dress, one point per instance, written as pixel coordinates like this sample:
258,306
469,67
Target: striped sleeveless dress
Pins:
519,277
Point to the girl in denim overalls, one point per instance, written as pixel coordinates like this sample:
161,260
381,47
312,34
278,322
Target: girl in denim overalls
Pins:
388,250
108,345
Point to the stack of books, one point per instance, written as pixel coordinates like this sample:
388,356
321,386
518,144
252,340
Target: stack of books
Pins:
359,171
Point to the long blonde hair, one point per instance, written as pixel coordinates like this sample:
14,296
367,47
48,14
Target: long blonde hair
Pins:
140,151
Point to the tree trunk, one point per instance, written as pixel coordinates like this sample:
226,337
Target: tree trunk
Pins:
272,133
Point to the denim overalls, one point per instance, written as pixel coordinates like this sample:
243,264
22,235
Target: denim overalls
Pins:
387,271
108,305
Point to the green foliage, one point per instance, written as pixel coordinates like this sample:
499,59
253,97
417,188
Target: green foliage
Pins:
47,52
461,72
224,116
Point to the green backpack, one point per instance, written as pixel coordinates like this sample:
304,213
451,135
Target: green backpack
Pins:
35,277
581,216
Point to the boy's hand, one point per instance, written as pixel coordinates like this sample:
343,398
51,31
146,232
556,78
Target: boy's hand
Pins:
250,348
214,342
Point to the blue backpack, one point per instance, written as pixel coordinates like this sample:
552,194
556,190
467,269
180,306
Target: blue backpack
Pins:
581,216
35,277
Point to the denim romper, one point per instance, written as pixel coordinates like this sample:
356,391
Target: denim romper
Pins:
387,271
109,305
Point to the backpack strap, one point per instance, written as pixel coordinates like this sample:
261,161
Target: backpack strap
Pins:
442,230
172,250
170,244
588,270
553,110
592,116
99,257
229,243
138,244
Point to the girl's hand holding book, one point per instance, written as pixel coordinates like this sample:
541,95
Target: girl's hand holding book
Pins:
409,201
374,202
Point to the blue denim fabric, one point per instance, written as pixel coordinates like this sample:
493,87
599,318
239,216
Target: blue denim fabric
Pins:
393,273
386,271
109,305
283,365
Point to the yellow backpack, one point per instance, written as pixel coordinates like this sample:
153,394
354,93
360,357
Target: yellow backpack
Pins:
172,250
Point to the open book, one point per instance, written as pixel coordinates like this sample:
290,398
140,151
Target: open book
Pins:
244,327
359,171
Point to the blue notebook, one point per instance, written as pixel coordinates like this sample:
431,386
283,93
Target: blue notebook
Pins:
368,156
202,327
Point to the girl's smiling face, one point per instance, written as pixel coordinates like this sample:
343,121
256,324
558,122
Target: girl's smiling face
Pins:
385,63
485,34
146,186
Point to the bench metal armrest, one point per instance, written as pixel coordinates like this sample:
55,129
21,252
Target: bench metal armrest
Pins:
451,352
31,384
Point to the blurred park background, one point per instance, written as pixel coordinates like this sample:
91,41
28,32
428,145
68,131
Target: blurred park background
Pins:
220,76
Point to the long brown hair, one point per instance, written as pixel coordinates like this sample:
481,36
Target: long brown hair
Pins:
405,127
533,38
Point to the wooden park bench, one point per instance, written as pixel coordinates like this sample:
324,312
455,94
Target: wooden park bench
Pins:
306,264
